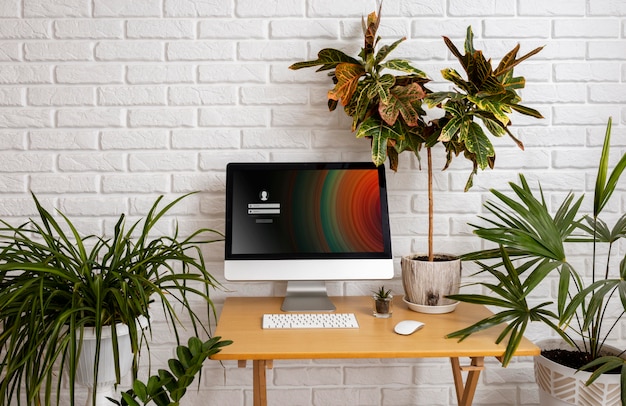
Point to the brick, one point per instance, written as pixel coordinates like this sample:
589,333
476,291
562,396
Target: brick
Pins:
235,73
279,8
191,182
585,28
92,162
271,139
346,396
198,8
164,29
84,74
140,139
350,8
58,51
612,8
607,93
25,118
206,139
166,161
131,96
11,8
12,140
606,50
129,51
25,29
90,118
10,52
13,183
200,51
272,95
584,114
517,28
161,118
11,162
56,140
217,160
63,8
201,95
160,74
88,29
121,8
289,117
316,29
227,116
135,183
270,50
587,72
93,206
553,8
25,74
61,96
555,93
11,97
54,183
460,8
232,28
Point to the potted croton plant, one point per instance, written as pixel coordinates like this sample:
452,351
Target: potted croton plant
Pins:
532,243
386,99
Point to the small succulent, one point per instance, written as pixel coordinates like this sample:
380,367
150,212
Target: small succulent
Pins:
382,294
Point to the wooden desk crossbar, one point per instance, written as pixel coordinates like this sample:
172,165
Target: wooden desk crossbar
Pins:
241,317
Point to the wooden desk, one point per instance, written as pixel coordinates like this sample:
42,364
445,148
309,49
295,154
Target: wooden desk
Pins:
241,317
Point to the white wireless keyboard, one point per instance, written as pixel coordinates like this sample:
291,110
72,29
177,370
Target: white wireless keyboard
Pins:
309,320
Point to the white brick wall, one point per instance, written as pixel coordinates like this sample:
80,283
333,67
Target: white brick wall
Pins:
106,104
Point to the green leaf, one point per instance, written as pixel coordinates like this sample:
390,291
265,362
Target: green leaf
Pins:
402,100
348,75
329,58
380,133
403,65
478,144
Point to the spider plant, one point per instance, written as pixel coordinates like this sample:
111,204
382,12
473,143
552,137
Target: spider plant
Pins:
524,229
54,283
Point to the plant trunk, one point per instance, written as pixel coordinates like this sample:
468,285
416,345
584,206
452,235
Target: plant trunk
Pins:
431,255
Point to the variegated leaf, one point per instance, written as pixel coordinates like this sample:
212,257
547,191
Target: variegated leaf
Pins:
348,75
402,100
478,144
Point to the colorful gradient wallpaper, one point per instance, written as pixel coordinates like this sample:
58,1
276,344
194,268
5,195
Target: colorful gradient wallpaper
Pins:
312,212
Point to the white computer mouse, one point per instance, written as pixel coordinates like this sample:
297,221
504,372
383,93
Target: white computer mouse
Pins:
406,327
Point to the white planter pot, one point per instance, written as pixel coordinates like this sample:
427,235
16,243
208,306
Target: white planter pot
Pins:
106,367
563,386
426,284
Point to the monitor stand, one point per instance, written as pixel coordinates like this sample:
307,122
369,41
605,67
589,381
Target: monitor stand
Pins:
307,296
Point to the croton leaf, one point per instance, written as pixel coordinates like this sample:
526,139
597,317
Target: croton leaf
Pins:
403,65
454,77
348,75
402,100
386,50
493,105
369,30
478,144
380,134
359,104
329,58
526,110
380,87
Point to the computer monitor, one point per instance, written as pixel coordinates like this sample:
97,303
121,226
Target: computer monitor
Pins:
307,223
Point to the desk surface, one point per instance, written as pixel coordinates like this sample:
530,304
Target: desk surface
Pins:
241,319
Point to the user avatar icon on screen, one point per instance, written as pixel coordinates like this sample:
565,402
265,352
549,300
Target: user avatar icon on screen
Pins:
264,195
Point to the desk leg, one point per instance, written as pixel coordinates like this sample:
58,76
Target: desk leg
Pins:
465,391
259,383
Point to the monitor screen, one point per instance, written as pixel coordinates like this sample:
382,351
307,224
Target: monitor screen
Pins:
307,222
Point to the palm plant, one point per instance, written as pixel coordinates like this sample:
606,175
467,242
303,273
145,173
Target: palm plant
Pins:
524,229
55,283
388,109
